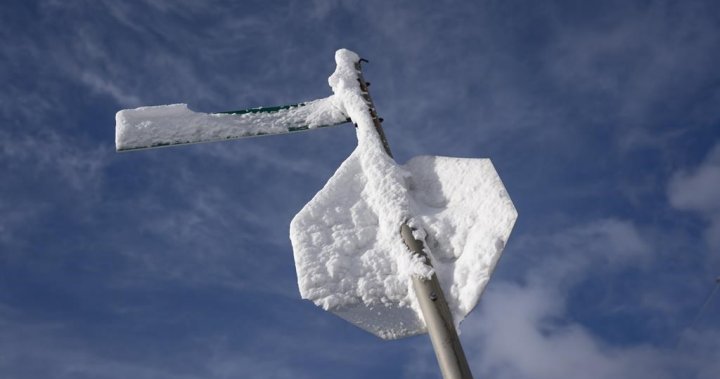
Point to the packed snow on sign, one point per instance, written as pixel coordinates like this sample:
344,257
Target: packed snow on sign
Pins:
166,125
349,256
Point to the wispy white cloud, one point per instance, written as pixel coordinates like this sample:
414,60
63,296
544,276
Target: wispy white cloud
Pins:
226,226
640,66
696,190
525,328
70,170
77,163
37,350
102,86
522,335
564,257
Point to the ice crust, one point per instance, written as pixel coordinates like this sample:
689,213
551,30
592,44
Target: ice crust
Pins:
349,256
175,124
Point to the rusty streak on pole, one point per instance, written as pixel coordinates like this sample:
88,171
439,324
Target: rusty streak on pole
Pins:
436,313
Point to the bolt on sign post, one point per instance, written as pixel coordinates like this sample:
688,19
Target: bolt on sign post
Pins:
397,250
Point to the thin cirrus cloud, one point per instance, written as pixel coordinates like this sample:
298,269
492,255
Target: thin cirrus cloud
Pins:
696,190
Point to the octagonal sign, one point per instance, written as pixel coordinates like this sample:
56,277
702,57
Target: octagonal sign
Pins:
467,217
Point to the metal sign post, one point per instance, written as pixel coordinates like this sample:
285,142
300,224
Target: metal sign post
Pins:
440,326
438,319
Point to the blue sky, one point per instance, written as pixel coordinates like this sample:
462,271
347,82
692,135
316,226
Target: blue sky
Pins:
602,119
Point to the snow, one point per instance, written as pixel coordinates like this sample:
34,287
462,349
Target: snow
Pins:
174,124
349,256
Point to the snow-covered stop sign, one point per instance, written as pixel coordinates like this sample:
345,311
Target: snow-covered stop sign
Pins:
344,266
349,257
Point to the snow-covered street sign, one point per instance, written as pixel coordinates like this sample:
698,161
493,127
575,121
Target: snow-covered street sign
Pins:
348,254
167,125
395,249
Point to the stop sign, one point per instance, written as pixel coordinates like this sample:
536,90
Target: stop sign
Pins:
462,210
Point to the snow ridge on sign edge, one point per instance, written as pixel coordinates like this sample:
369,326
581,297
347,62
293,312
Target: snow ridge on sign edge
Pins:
325,244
